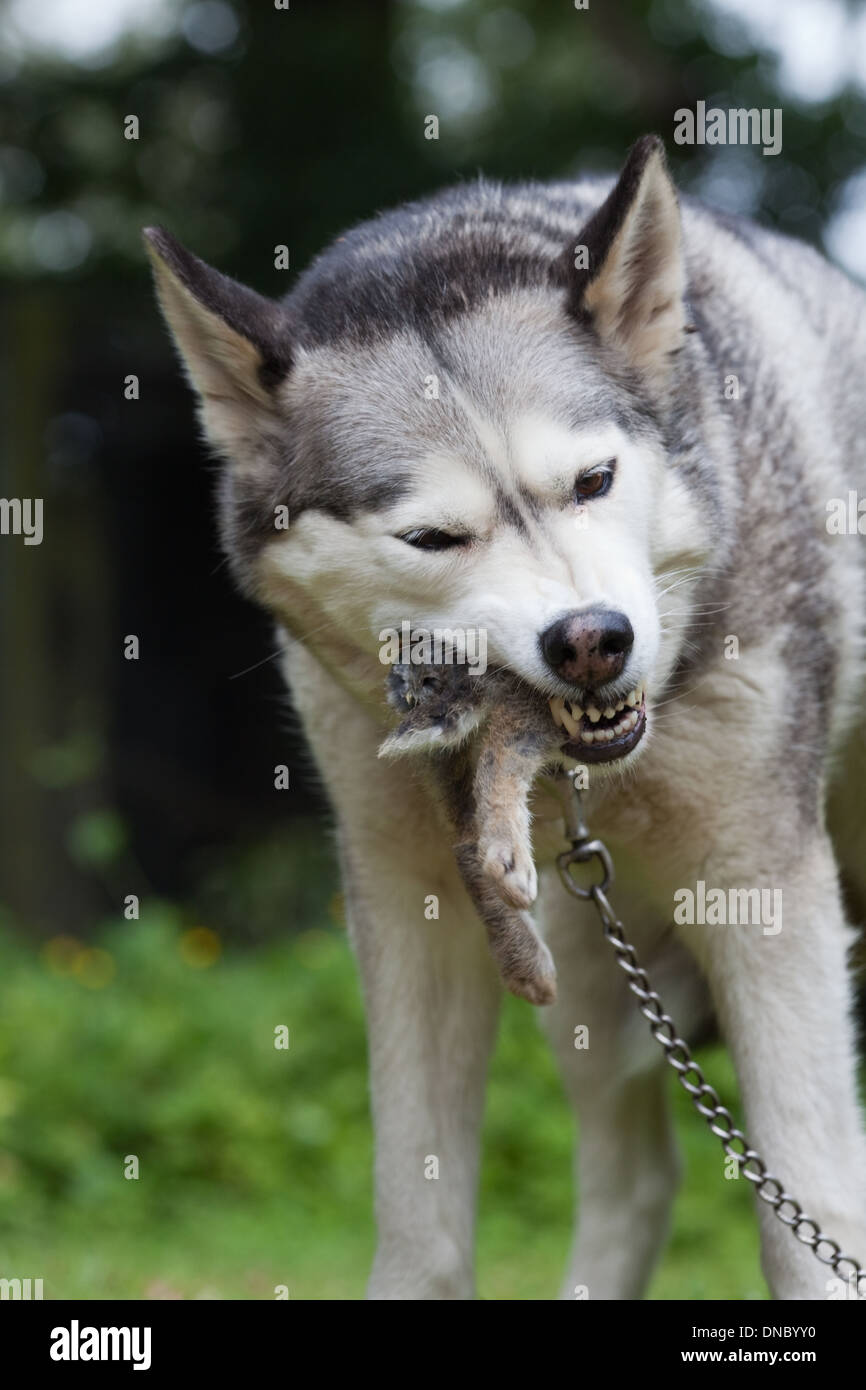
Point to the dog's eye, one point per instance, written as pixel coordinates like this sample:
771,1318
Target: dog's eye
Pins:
427,538
596,483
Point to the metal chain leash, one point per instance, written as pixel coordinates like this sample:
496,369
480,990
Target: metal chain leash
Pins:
704,1097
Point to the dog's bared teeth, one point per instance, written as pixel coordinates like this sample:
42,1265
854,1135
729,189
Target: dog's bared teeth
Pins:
625,726
557,706
561,716
568,717
571,725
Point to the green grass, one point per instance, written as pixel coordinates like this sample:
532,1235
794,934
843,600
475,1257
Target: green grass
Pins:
254,1163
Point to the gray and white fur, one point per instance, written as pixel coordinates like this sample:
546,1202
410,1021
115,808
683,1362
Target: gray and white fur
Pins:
602,425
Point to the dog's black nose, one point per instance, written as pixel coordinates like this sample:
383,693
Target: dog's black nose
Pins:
588,648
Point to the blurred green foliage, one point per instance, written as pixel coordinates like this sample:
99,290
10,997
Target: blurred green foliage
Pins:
259,890
259,125
255,1163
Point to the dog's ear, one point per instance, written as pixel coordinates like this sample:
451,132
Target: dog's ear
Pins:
626,275
233,342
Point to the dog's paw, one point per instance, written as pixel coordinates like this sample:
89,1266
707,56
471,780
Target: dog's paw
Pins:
510,868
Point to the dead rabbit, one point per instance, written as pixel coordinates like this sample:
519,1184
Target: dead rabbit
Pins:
487,738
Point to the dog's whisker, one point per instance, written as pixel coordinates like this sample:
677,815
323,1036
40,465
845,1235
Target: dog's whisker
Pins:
272,656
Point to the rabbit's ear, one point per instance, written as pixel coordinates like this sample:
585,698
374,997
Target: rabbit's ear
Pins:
428,730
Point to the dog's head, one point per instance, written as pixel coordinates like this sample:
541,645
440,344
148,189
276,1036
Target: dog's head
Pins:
460,420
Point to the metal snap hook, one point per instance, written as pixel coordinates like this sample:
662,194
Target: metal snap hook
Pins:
582,853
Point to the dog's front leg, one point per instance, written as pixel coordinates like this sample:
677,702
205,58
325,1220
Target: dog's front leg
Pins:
627,1167
783,993
431,991
432,998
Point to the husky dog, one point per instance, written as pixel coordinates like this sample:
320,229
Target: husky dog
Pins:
605,429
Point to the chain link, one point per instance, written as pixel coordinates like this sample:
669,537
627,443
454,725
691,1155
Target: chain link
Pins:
690,1076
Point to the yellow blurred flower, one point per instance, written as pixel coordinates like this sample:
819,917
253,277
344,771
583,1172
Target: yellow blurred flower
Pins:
200,947
94,968
61,953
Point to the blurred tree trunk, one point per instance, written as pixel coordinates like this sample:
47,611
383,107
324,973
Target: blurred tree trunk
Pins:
27,675
52,633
